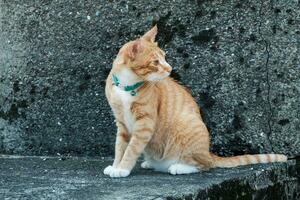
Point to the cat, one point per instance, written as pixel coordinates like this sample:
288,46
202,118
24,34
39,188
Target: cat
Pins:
157,117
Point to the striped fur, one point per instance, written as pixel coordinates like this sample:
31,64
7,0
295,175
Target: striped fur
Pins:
248,159
162,121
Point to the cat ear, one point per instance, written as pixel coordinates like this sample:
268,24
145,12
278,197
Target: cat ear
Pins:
133,50
150,35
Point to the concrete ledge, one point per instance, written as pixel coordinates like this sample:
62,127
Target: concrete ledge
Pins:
82,178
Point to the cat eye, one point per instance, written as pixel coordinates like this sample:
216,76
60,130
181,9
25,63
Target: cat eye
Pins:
155,62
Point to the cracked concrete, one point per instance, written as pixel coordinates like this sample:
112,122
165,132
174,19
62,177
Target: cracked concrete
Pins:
267,47
240,60
270,117
269,87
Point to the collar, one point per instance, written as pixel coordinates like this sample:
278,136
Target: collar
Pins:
127,88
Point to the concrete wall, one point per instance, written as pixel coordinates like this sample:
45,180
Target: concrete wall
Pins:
240,59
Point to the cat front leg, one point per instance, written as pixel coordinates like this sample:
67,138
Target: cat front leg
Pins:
121,143
122,140
142,133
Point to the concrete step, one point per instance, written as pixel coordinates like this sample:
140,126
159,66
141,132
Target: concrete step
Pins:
82,178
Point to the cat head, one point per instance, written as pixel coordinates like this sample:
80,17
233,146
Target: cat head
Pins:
143,58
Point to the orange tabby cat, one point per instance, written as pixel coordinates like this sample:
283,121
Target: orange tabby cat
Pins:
157,117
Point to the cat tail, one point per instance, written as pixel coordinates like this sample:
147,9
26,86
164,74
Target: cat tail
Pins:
226,162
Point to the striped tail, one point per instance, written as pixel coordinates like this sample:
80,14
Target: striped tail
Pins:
247,160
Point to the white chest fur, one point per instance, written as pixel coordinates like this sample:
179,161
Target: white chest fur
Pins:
126,77
126,100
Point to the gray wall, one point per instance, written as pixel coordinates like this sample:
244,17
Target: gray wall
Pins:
240,59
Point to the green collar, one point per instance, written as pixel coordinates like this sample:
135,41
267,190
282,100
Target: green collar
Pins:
127,88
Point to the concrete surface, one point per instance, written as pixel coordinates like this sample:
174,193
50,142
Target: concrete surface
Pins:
240,60
81,178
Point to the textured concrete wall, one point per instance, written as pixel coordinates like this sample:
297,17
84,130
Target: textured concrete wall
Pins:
240,60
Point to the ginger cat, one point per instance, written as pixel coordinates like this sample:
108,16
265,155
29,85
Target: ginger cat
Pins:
159,118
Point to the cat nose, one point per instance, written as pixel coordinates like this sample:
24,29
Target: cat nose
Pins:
168,69
166,66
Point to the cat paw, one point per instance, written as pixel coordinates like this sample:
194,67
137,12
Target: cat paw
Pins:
146,165
108,169
182,169
115,172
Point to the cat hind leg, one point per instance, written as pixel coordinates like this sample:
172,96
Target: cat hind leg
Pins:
182,169
146,165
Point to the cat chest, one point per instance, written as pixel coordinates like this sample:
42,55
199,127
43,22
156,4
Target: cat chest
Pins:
126,100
